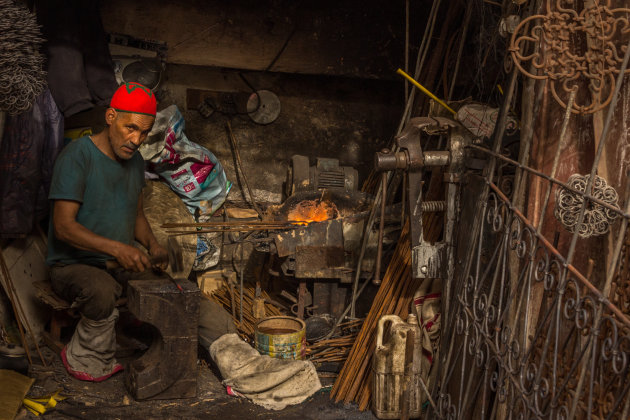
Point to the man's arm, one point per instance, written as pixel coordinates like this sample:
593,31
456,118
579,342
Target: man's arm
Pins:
145,236
67,229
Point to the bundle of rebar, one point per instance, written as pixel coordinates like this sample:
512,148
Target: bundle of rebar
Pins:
393,297
229,298
22,75
335,349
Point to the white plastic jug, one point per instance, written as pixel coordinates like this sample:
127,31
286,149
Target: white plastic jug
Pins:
388,369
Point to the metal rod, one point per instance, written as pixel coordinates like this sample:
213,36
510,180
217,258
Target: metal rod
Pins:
622,232
600,150
406,48
460,49
422,53
408,373
556,159
196,232
478,219
357,274
227,224
426,91
381,227
424,47
242,275
240,167
548,178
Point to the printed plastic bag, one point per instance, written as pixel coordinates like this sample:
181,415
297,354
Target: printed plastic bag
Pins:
191,170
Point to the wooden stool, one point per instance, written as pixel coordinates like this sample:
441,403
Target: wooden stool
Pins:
63,314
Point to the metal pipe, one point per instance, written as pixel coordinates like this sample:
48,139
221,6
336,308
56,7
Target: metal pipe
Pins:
437,158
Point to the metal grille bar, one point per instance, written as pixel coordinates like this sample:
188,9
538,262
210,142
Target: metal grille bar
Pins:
526,334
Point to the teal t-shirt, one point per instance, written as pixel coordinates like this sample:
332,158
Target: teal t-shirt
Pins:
108,191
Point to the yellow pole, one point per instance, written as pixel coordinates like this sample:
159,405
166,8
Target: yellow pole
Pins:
426,92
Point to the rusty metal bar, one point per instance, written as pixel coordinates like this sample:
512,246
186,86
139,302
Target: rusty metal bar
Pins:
548,178
556,159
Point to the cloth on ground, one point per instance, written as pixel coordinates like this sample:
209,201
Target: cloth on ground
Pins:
93,345
271,383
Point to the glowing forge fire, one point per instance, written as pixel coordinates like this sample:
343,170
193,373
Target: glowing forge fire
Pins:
313,211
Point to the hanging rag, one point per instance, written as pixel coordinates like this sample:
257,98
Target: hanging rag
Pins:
30,144
427,302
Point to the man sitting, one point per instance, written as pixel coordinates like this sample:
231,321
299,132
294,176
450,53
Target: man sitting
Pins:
96,197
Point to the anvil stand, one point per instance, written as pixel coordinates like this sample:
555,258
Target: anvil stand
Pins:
168,369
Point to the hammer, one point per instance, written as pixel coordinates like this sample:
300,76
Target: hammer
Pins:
173,257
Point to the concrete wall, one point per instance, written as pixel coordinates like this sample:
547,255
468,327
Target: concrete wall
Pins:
347,37
344,118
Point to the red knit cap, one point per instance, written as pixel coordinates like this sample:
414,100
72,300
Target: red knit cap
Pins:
134,97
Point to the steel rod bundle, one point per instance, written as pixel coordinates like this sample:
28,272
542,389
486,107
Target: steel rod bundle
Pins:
393,297
331,350
229,298
335,349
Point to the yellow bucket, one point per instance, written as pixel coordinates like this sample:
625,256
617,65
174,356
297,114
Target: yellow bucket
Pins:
281,337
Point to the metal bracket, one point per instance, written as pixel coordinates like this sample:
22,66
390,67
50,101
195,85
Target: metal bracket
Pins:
429,261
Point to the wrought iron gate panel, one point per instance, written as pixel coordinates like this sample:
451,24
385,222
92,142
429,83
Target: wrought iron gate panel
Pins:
569,358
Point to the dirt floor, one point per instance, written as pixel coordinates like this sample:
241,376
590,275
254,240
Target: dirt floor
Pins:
110,399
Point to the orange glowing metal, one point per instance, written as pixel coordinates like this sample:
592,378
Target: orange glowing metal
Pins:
313,211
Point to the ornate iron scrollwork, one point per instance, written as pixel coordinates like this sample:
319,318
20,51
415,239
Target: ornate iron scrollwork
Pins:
597,218
557,58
